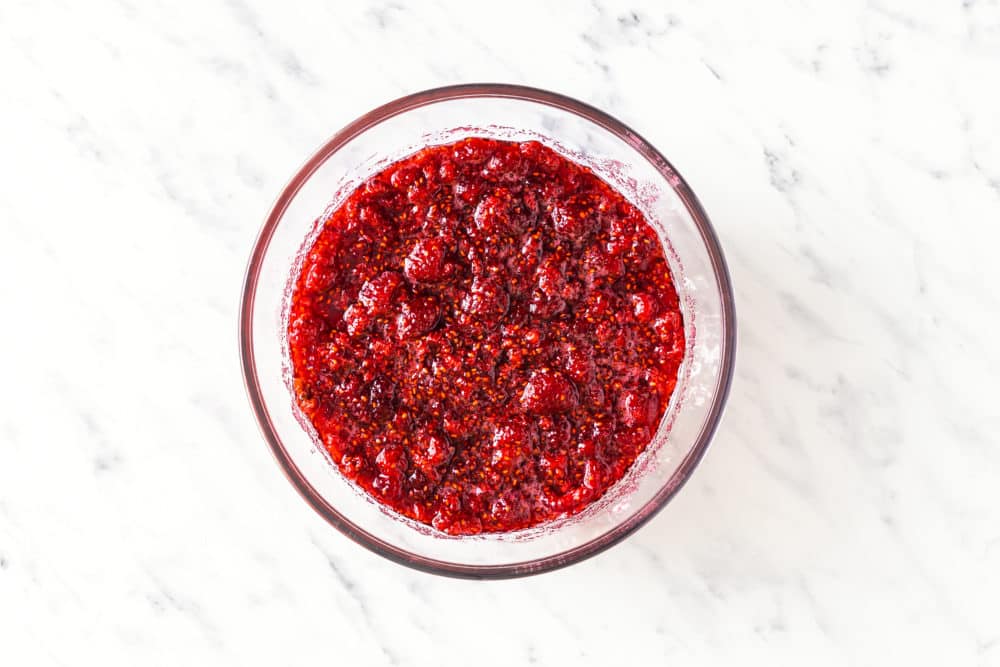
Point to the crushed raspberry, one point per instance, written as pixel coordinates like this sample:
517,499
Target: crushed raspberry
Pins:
426,261
485,336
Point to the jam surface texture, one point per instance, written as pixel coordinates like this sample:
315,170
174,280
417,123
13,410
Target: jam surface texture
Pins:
484,336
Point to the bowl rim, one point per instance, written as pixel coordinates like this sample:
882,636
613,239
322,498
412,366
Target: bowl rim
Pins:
546,563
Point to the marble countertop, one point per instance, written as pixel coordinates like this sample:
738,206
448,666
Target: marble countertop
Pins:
849,509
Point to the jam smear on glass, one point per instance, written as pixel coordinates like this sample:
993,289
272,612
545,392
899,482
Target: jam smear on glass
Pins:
484,336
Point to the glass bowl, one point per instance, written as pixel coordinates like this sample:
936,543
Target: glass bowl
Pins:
616,154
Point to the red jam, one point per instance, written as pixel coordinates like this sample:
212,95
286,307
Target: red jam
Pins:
484,336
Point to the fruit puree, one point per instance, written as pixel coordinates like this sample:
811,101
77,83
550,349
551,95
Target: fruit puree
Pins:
484,336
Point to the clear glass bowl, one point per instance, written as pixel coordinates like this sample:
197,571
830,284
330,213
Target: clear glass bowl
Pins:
615,153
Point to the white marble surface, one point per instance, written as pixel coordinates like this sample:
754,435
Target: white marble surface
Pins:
849,510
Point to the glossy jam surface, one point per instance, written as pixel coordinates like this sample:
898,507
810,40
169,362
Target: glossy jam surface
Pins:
484,336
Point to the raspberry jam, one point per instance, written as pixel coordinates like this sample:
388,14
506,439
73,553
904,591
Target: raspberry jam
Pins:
484,336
